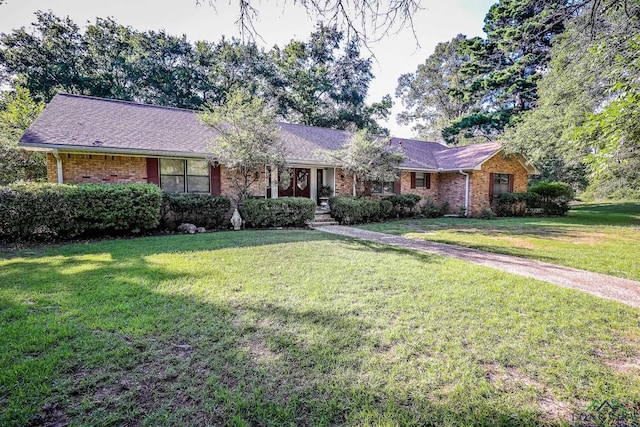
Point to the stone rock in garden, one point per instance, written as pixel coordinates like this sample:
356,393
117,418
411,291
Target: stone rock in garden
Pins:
201,230
187,228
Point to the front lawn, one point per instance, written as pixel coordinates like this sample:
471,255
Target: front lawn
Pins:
604,238
298,328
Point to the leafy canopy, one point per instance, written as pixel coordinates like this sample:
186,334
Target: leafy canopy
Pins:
369,158
248,139
321,81
17,111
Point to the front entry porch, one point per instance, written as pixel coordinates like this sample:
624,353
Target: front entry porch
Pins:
304,181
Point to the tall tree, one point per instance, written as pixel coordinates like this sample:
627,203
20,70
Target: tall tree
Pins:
17,111
432,96
325,82
497,76
586,128
47,59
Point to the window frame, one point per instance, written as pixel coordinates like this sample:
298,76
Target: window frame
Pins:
426,178
185,175
375,184
508,184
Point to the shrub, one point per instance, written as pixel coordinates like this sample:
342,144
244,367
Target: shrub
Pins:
487,213
386,209
404,205
40,210
548,198
515,204
429,209
202,210
555,196
346,210
282,212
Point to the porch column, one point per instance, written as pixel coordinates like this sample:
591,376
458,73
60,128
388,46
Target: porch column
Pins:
56,155
313,190
354,186
333,184
274,182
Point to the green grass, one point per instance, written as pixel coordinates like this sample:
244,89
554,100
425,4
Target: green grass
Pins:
298,328
604,238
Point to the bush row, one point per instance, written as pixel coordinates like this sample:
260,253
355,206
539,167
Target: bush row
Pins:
546,198
201,210
35,210
281,212
347,210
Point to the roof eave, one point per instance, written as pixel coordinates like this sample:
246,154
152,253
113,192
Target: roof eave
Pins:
107,150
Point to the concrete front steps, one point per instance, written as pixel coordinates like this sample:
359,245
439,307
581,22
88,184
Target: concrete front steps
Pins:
322,218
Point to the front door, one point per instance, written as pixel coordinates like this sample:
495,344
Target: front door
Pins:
303,183
298,186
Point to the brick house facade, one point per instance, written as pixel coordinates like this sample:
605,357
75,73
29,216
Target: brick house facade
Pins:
127,142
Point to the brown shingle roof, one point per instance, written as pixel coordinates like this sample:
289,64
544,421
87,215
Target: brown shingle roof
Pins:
96,124
466,157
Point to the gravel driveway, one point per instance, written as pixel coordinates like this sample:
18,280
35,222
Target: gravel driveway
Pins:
610,287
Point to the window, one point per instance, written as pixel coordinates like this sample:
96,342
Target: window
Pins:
387,187
502,183
420,180
184,176
172,175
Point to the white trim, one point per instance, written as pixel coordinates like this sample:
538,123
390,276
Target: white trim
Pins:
466,192
334,180
531,170
313,184
274,182
59,166
127,152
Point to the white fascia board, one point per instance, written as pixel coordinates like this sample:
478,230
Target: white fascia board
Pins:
531,170
66,149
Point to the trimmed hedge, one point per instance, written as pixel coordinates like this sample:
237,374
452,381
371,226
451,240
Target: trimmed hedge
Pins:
404,205
281,212
202,210
515,204
31,211
346,210
547,198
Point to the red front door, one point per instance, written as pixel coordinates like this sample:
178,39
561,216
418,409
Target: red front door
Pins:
299,184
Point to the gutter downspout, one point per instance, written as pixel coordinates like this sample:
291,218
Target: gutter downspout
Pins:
466,193
56,155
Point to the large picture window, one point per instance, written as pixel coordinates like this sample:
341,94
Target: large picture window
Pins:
387,187
184,176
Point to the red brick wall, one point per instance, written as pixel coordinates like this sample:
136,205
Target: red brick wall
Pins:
52,168
432,192
480,180
259,188
97,168
451,186
344,186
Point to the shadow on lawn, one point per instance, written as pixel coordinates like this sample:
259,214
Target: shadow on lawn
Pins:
564,227
94,341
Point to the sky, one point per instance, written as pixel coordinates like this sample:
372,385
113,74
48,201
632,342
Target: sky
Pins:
278,22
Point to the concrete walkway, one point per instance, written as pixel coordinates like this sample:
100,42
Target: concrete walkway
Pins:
614,288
